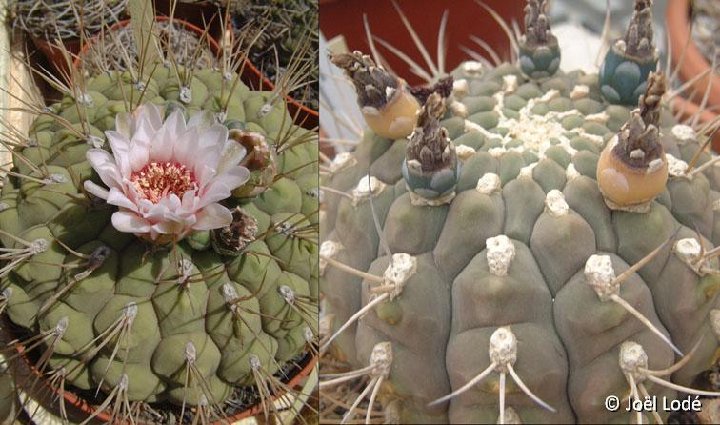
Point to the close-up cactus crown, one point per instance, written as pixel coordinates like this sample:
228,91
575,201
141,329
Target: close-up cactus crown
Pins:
158,240
522,247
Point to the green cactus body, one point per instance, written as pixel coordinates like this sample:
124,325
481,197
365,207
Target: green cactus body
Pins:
183,305
518,246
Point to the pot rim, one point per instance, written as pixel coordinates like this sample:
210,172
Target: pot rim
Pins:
683,47
310,360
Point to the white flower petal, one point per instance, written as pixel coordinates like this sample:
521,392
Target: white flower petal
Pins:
129,222
221,186
96,190
214,216
120,147
139,156
119,199
186,146
201,119
124,124
233,152
105,167
154,115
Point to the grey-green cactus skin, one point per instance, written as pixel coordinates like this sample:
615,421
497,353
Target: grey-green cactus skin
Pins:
171,311
568,339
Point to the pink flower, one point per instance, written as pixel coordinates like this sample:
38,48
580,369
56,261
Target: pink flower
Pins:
167,177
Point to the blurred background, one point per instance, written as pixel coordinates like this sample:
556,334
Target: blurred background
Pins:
578,24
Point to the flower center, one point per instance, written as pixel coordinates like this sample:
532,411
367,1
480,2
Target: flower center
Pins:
158,179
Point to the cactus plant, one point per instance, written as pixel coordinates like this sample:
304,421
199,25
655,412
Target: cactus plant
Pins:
532,248
158,231
186,45
287,39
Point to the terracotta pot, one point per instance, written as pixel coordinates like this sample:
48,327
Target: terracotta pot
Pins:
201,14
688,109
466,18
53,53
690,63
74,402
212,42
686,53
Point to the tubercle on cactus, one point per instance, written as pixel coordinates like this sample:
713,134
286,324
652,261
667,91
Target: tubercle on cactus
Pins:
503,354
388,107
633,168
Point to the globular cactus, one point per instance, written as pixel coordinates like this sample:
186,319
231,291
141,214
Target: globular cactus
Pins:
65,20
569,259
159,242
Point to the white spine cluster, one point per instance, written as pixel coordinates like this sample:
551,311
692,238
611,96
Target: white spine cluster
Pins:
488,183
500,253
555,204
600,275
401,268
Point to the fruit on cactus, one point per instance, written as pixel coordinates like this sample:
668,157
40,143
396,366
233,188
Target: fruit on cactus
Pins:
633,169
624,72
574,260
538,49
387,105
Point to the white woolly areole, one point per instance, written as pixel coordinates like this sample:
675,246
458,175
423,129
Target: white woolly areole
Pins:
716,205
579,91
503,348
366,187
510,83
549,95
389,92
632,358
401,268
715,322
676,167
464,152
600,275
655,165
683,132
555,203
688,248
488,183
328,249
381,359
497,152
600,117
571,172
527,171
471,126
472,67
500,253
511,417
458,109
460,88
342,160
690,251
